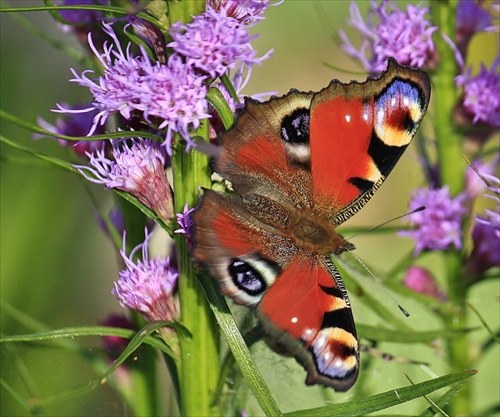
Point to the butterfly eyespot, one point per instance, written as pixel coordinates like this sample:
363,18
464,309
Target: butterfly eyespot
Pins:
295,127
246,277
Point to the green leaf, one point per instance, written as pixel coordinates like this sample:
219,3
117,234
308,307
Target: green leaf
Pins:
71,332
219,103
361,407
398,336
240,351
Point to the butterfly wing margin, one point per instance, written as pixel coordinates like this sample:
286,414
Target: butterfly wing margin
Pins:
307,313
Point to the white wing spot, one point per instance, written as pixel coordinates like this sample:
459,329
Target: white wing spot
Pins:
347,118
294,320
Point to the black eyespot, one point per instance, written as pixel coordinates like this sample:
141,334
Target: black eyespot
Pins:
295,127
246,277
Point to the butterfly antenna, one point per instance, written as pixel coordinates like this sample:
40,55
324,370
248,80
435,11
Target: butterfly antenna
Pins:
379,282
388,221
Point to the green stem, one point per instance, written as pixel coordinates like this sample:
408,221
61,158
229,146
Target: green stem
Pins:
199,362
452,173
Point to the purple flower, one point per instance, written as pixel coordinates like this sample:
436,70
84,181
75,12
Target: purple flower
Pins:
486,233
137,169
405,36
471,18
147,285
81,17
421,281
76,125
481,94
213,43
170,97
439,225
115,345
185,223
245,11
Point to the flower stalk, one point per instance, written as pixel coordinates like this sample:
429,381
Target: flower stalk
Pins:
199,350
452,173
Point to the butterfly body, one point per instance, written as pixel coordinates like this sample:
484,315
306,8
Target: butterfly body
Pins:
301,165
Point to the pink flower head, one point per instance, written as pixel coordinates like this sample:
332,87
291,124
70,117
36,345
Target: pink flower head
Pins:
170,97
481,94
213,43
438,226
391,32
147,285
136,168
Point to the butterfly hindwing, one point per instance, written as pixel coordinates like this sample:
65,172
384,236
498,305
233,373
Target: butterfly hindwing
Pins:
307,313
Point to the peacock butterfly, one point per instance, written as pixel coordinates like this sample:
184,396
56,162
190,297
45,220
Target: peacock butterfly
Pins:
301,165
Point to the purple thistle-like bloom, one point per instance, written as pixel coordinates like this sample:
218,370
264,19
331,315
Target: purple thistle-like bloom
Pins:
76,125
147,285
213,43
405,36
420,280
137,169
186,224
439,225
486,232
472,18
81,17
245,11
170,97
481,94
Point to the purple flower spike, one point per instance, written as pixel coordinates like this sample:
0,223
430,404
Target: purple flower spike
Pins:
170,97
137,169
486,233
147,285
439,225
185,223
481,94
213,43
405,36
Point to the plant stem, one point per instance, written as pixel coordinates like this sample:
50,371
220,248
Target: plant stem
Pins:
199,362
452,173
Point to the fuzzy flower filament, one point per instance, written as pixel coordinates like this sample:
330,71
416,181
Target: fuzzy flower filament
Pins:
403,35
214,43
147,285
136,168
481,94
170,97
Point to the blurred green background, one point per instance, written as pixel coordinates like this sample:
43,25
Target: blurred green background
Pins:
57,266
